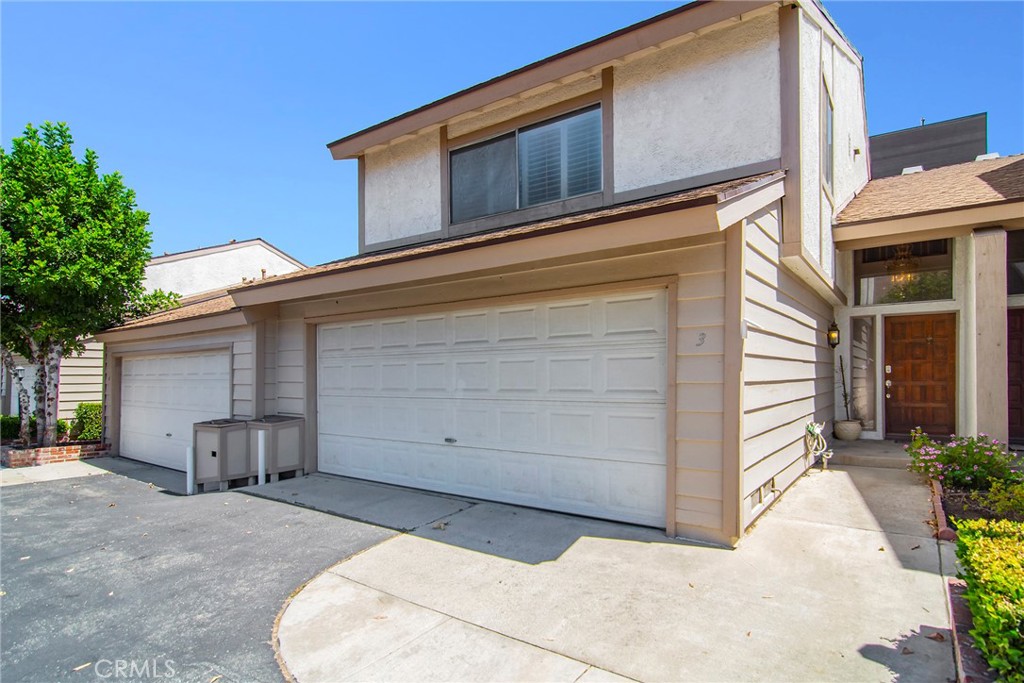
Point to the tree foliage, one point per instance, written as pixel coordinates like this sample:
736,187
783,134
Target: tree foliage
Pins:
75,248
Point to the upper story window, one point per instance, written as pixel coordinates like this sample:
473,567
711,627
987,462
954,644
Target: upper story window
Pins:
903,273
546,162
827,147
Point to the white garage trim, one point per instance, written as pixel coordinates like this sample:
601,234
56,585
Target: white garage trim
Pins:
559,404
162,395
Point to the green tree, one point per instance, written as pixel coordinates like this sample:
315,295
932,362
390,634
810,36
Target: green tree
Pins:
74,252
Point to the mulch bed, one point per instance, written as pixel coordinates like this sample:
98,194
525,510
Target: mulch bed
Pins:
958,503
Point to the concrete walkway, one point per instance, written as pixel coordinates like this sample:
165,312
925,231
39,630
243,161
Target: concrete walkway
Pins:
841,581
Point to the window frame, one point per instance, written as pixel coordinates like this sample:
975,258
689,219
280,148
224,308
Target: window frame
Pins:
599,99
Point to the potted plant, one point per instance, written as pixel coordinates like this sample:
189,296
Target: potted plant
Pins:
848,429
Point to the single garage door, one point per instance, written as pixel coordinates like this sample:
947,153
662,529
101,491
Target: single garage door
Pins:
558,405
163,395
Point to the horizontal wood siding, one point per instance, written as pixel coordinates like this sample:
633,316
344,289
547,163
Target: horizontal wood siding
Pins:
242,372
788,367
291,367
270,367
81,380
699,377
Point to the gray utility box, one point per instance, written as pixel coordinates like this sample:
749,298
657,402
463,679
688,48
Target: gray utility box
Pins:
285,440
221,452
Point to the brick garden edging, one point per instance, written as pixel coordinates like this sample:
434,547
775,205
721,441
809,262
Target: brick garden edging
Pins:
942,530
29,457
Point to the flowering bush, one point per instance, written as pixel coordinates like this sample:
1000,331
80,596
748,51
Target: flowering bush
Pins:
967,462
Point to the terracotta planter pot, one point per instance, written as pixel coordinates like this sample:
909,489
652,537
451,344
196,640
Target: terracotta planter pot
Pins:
847,430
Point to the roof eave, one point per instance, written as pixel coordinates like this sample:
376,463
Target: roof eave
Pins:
935,224
209,322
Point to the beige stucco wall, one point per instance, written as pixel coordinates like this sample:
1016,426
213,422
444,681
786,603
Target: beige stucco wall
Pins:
822,61
402,190
709,104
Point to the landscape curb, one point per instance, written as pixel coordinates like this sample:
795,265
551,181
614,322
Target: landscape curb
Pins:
971,667
943,532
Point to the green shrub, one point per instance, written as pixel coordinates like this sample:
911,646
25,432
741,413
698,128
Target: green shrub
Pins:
1005,498
967,462
990,552
10,424
88,425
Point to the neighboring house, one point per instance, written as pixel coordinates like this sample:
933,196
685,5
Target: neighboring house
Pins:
599,284
929,146
934,266
188,274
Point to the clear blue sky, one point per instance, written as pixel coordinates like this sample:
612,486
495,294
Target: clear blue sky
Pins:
217,114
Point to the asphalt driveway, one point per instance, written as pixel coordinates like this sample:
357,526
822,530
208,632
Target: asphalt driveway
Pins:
106,571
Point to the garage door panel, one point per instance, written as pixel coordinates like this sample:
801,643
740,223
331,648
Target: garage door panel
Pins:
632,492
164,395
548,373
557,404
596,431
634,317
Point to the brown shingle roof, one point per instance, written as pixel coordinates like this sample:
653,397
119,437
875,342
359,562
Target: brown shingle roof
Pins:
214,303
971,184
199,306
709,194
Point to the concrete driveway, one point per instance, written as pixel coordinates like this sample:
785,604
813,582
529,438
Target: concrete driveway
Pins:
841,581
104,569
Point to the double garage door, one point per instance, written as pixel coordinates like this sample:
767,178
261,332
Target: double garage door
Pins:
163,395
558,405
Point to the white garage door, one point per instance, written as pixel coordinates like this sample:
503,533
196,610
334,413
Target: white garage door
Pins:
162,396
558,405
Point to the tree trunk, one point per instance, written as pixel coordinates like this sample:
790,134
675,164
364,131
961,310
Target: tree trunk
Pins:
24,428
51,360
39,386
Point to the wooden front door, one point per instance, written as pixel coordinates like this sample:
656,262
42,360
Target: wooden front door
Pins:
1015,372
920,374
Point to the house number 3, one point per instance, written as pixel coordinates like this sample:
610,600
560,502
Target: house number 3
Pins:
701,338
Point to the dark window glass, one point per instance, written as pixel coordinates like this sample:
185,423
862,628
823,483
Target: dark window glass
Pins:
1015,262
551,161
483,179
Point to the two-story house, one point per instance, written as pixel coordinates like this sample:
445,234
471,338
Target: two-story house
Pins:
600,284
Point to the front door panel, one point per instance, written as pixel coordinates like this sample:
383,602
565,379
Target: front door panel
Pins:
920,374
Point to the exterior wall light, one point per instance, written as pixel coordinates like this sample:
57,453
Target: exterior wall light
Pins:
833,335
